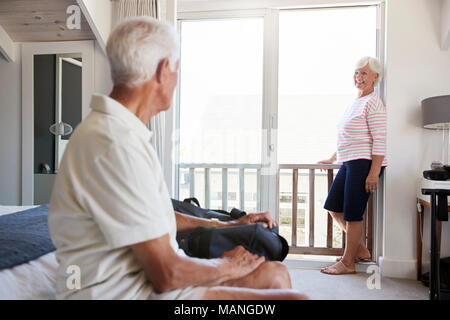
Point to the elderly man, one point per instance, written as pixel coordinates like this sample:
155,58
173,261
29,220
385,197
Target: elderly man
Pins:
110,214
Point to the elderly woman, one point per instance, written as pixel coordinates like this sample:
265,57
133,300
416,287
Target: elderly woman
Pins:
361,149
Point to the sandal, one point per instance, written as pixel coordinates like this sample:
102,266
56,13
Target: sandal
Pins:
362,260
338,268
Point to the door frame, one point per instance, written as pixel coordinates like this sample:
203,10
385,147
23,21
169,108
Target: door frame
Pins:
268,191
86,48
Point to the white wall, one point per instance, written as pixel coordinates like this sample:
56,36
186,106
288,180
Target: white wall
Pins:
445,24
11,120
10,128
416,68
7,48
98,14
102,73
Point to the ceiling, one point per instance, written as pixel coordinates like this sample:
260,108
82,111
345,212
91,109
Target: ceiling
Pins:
41,20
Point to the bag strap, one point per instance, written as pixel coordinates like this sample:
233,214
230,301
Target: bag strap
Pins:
196,202
236,213
189,200
221,211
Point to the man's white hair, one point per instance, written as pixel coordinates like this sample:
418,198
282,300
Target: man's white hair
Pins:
135,48
374,65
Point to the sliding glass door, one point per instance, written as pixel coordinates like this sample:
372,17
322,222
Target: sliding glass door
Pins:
318,49
220,111
260,96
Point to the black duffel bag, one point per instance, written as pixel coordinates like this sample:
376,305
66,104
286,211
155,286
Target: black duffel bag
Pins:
209,242
187,207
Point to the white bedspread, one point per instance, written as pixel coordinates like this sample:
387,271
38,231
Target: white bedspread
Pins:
11,209
34,280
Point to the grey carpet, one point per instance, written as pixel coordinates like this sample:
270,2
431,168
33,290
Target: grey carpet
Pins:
319,286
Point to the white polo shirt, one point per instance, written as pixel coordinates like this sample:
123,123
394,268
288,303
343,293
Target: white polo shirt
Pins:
109,194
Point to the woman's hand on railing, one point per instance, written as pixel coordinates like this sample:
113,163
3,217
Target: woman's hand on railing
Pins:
328,161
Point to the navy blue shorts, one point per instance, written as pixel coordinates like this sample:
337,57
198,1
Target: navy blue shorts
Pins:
348,191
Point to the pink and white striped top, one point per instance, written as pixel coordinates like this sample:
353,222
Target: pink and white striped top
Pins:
362,130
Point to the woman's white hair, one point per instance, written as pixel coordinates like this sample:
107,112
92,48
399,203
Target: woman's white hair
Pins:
374,65
135,48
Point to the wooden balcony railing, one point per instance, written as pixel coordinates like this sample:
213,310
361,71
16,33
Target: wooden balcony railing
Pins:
225,168
312,248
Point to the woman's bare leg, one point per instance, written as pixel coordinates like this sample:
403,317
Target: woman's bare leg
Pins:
352,243
363,252
339,218
353,238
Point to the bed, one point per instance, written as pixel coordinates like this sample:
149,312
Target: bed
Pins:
33,280
28,263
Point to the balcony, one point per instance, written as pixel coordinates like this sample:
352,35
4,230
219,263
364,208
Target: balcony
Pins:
301,190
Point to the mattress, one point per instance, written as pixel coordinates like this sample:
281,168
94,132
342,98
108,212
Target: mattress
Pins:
34,280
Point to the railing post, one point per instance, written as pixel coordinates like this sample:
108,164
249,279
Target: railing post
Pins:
191,182
224,189
294,206
343,239
258,189
312,177
329,218
277,213
207,189
242,188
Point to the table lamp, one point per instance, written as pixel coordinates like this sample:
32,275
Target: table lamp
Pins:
436,115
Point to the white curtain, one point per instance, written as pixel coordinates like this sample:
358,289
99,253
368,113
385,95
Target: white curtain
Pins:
132,8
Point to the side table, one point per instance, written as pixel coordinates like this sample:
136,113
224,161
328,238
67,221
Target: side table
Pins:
421,205
435,289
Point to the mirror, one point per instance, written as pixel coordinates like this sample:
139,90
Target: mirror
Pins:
57,111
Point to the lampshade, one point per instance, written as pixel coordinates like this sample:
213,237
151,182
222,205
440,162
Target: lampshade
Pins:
436,112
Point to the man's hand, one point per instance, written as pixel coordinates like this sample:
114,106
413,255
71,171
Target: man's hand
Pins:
240,262
263,218
167,270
